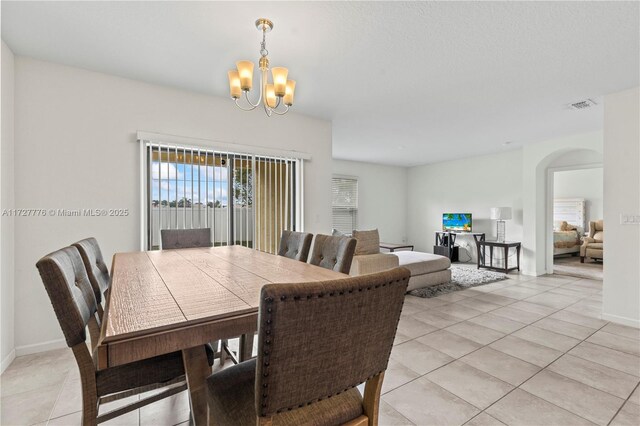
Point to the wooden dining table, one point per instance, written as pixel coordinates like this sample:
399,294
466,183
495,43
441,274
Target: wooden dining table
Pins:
178,300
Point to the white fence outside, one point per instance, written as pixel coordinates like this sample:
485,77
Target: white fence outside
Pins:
201,217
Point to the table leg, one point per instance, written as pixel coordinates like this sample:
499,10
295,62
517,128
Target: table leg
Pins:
506,262
197,370
518,255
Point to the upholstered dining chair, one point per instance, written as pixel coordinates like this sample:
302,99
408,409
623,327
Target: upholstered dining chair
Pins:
96,269
73,298
317,341
331,252
295,245
185,238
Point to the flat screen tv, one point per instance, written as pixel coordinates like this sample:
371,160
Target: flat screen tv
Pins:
460,222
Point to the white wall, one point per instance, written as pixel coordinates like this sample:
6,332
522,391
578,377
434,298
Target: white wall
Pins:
76,148
7,343
382,197
583,183
470,185
621,291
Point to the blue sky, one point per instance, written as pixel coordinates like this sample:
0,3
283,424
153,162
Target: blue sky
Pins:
174,178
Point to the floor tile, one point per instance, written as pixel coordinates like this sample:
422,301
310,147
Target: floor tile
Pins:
412,328
622,330
578,319
68,420
475,332
635,396
592,404
388,416
497,323
611,358
547,338
449,343
459,311
419,357
169,411
522,408
483,419
397,375
566,328
489,288
472,385
595,375
498,364
557,301
585,310
29,377
541,310
629,415
400,338
436,319
525,350
614,341
29,407
519,315
425,403
516,292
480,305
496,299
70,400
423,303
453,297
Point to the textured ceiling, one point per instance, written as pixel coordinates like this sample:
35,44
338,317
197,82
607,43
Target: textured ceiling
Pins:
404,83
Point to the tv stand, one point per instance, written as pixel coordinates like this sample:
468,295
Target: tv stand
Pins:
446,243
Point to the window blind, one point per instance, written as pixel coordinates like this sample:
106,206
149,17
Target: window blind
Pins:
344,203
245,199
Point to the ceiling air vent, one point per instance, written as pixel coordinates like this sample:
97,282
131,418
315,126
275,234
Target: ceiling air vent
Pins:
588,103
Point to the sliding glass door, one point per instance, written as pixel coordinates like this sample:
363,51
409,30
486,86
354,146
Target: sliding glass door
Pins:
244,199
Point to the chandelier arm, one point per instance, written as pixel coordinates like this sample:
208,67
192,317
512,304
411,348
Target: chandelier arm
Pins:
246,109
246,96
286,110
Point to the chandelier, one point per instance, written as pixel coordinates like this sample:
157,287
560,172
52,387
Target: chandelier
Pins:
272,95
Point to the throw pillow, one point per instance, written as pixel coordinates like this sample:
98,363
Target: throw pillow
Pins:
368,242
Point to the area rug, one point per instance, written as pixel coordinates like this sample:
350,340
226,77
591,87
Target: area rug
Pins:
571,266
461,278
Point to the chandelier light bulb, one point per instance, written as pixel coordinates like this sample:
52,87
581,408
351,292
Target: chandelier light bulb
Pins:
245,71
234,84
288,96
270,95
280,80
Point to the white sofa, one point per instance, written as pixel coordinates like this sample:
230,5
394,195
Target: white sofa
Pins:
426,269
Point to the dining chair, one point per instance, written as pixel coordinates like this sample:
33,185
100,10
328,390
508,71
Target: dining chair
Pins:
185,238
74,303
317,342
96,269
295,245
331,252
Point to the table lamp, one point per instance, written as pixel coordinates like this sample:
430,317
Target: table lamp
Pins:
500,214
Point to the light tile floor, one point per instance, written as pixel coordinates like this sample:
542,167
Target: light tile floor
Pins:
525,351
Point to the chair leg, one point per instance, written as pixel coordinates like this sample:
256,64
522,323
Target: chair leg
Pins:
581,259
371,400
88,383
246,347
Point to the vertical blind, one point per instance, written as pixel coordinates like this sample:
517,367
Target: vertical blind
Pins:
245,199
345,203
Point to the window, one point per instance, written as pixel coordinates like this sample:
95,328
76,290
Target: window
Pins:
246,199
345,203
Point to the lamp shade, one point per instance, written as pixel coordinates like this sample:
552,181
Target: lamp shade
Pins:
288,96
279,80
501,213
245,72
234,84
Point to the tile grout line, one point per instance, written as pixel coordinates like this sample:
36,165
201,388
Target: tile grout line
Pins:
626,401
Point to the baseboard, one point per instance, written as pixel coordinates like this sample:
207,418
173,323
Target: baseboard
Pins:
7,360
621,320
40,347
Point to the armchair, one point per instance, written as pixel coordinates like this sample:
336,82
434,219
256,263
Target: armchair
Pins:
592,245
